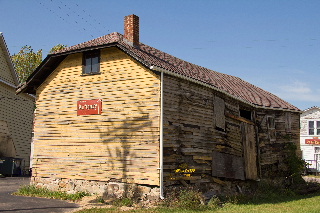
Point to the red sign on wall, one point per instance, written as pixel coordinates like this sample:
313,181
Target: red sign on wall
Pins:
313,141
89,107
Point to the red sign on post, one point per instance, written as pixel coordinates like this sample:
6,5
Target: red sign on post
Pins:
89,107
313,141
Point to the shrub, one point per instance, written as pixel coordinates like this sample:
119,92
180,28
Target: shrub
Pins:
190,199
123,202
214,202
186,199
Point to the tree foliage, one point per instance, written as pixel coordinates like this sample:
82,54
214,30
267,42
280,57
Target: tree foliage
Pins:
27,60
57,48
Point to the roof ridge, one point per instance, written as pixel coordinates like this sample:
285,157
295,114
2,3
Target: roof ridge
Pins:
150,56
313,107
115,36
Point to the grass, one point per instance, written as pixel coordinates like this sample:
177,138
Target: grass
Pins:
265,199
33,191
280,204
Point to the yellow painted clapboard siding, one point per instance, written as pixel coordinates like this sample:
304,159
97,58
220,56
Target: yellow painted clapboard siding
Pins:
128,126
112,164
109,151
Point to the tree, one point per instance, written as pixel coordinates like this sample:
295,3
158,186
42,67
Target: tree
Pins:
26,60
57,48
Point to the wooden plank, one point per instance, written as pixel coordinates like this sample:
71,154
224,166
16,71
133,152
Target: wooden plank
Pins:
226,165
250,151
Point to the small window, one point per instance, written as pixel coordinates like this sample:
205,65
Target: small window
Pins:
91,62
314,127
245,114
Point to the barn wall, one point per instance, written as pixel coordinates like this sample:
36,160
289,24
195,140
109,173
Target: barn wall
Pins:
206,136
277,131
200,123
121,144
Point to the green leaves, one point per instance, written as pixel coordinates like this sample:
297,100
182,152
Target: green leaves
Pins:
26,61
57,48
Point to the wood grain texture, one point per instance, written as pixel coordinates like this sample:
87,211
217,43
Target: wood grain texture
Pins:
199,122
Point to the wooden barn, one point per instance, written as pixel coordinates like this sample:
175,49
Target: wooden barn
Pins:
113,111
16,114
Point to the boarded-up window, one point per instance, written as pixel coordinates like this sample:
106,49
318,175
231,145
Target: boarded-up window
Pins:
228,166
219,107
271,128
288,121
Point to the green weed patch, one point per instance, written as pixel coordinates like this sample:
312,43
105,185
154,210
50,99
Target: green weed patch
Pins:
33,191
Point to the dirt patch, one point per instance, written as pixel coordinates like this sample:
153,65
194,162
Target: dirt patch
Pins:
90,202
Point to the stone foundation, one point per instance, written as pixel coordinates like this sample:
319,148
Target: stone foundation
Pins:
105,189
114,190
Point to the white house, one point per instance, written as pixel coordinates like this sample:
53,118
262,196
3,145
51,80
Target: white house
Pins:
16,114
310,137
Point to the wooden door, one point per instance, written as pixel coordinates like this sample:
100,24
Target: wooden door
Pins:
249,150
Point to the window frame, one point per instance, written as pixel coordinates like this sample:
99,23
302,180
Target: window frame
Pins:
92,54
315,128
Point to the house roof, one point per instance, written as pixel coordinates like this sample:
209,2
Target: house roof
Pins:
312,108
13,73
151,57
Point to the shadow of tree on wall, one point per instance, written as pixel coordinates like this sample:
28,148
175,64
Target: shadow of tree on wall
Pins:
122,131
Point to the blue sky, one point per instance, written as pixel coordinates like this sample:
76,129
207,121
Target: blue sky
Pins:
273,44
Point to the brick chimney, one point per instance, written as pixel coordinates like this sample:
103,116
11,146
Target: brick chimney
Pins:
131,29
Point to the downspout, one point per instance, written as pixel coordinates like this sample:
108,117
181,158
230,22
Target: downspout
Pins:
161,139
161,134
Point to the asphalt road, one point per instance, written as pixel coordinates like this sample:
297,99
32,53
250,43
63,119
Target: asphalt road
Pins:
19,204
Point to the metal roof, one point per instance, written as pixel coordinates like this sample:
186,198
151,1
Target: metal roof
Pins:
150,57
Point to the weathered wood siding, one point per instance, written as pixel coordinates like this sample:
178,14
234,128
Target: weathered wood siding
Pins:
121,144
17,112
199,122
277,129
205,136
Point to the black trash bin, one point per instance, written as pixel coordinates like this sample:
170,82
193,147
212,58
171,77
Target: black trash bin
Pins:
10,166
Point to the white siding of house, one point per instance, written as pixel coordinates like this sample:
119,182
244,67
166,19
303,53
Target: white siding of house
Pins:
308,150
